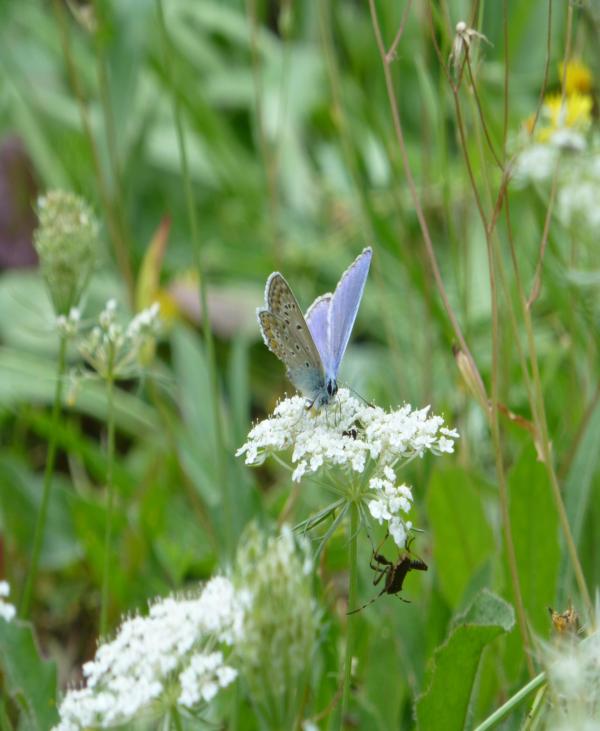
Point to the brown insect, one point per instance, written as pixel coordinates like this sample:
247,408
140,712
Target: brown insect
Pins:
566,622
393,572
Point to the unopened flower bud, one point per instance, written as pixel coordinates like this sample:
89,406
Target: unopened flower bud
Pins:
66,241
281,621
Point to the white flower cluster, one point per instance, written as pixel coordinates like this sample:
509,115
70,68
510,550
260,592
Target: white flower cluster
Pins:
355,437
7,611
169,653
389,501
203,678
114,350
577,199
578,183
68,325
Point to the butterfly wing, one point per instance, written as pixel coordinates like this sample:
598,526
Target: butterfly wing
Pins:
344,306
286,334
317,319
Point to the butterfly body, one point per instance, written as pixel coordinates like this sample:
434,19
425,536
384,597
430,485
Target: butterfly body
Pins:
312,346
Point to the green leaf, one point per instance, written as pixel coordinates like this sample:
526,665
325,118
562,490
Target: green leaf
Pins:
30,680
20,499
534,525
28,378
452,670
578,484
196,439
462,537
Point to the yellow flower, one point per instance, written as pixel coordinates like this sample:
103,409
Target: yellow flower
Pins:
578,78
572,112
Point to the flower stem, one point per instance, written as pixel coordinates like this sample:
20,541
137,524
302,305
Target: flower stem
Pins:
110,493
511,703
351,620
176,718
40,525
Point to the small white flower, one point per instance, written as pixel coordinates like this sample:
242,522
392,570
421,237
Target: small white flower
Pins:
115,351
568,139
68,326
204,676
7,611
536,164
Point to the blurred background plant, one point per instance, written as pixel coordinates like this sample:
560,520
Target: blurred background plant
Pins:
296,161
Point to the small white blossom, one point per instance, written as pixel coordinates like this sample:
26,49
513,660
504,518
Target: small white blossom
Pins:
114,350
568,139
535,164
151,655
68,325
7,611
145,323
354,437
205,675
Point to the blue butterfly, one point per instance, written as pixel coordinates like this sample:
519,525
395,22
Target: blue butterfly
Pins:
312,347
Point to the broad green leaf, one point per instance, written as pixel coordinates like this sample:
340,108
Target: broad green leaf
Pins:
462,537
20,497
30,680
452,670
28,378
534,525
196,442
578,484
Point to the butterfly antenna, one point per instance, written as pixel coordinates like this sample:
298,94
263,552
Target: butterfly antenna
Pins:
360,396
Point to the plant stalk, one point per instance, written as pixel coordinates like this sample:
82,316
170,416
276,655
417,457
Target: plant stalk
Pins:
40,525
351,619
511,703
110,497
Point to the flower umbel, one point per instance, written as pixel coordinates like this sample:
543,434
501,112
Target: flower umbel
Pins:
115,351
66,241
174,655
365,443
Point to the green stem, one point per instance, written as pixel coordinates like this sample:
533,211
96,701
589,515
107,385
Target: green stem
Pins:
110,496
209,346
176,718
511,703
40,525
352,618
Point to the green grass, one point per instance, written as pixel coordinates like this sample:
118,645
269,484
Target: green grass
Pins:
267,134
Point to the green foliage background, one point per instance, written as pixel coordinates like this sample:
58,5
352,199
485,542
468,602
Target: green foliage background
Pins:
295,166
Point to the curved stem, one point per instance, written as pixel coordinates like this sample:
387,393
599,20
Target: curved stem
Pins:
351,620
40,525
110,496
